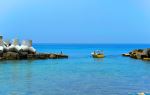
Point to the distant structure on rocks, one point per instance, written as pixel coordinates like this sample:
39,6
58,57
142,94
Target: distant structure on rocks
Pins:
26,46
14,51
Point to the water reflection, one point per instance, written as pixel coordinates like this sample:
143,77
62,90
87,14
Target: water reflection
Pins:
28,78
16,76
99,59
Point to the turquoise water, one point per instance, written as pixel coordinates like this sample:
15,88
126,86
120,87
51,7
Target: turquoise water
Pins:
78,75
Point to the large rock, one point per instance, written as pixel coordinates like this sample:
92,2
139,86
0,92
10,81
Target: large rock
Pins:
42,56
140,53
26,55
23,55
52,56
147,52
1,53
62,56
29,52
13,49
31,56
11,56
57,56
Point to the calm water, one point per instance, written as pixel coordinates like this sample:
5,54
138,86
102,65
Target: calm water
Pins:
78,75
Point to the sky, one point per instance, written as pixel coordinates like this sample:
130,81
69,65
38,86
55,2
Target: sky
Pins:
76,21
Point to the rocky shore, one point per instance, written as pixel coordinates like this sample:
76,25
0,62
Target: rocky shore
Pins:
143,54
26,55
14,51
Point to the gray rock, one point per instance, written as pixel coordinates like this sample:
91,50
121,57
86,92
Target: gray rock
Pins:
42,56
52,56
31,56
13,50
62,56
11,56
23,55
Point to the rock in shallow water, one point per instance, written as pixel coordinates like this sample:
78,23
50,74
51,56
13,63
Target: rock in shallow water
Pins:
27,55
11,56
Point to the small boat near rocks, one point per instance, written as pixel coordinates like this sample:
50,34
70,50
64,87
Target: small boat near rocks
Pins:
98,54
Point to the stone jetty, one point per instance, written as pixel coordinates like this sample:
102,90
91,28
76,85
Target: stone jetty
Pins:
14,51
143,54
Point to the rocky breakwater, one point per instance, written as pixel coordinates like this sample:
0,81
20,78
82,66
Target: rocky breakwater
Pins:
143,54
14,51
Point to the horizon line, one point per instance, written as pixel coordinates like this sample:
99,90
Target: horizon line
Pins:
93,43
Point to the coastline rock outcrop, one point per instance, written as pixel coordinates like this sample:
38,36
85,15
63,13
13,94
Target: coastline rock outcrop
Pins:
143,54
14,51
11,55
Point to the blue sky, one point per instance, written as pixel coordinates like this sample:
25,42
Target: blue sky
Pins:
76,21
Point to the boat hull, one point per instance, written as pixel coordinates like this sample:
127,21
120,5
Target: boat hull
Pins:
98,56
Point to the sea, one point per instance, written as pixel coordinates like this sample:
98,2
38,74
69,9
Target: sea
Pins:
80,74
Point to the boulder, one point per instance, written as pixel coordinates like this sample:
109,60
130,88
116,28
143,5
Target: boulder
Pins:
62,56
126,54
31,56
52,56
23,55
11,56
13,49
42,56
148,52
57,56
